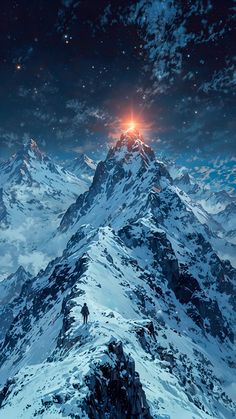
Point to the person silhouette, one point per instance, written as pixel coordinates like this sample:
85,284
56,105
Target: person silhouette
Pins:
85,313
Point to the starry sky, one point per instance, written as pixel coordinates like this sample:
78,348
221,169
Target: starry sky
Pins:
73,72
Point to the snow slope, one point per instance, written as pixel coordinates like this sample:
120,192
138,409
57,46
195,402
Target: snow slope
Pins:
34,193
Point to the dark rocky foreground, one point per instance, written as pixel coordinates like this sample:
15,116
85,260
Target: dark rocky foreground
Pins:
116,390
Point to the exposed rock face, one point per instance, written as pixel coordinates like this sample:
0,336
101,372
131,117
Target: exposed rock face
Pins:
204,311
44,299
5,391
115,388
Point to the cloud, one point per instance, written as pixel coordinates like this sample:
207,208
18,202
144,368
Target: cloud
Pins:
222,80
6,261
45,116
84,148
217,173
83,113
34,261
40,93
167,33
8,138
174,32
67,15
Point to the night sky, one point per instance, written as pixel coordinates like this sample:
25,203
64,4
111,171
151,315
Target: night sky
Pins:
73,72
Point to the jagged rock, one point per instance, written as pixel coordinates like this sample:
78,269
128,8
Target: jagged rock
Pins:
115,388
5,391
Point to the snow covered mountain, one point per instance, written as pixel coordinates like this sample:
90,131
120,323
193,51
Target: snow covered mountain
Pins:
216,209
186,183
12,285
217,201
215,174
34,193
83,167
211,201
159,343
227,219
120,186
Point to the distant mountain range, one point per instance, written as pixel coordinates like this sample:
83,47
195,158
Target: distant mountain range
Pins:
220,205
83,167
214,172
34,193
148,251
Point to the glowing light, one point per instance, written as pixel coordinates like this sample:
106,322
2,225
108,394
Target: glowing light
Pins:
131,125
18,67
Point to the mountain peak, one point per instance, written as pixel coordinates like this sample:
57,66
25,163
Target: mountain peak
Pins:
131,142
85,160
184,179
83,167
11,286
25,164
130,138
21,271
30,143
30,147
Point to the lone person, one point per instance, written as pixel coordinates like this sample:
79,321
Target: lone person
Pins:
85,313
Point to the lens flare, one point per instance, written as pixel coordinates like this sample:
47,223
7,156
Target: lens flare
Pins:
129,122
131,125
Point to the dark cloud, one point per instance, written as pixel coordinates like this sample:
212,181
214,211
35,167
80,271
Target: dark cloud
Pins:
176,31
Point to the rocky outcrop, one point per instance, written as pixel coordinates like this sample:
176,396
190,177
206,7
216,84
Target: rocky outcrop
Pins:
115,388
204,311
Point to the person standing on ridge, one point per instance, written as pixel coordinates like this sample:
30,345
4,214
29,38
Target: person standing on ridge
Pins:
85,313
